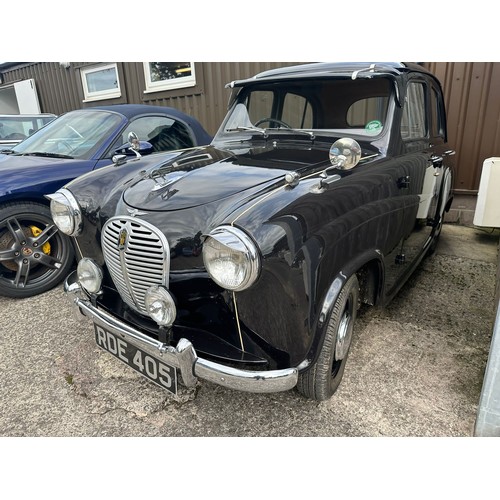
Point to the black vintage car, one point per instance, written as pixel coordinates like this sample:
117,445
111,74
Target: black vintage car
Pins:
244,262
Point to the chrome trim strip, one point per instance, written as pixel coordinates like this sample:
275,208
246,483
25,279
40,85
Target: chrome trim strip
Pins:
183,356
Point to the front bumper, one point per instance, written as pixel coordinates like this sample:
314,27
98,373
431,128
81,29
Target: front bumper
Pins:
183,356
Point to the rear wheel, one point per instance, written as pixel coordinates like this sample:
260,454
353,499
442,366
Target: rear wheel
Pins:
323,378
435,237
34,255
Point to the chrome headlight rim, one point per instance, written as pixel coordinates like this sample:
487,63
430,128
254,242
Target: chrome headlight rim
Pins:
238,241
65,197
97,275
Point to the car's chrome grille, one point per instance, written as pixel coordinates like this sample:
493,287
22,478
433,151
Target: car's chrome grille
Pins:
137,256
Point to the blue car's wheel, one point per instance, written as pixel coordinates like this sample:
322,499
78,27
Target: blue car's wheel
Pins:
34,255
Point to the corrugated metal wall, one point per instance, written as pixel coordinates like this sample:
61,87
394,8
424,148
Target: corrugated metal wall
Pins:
472,95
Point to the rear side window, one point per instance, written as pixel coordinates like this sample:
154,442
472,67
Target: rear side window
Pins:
414,120
297,111
367,110
260,104
291,108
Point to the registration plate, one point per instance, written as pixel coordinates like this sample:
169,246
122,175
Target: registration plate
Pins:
157,371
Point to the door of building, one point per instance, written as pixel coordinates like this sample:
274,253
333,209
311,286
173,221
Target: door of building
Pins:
19,98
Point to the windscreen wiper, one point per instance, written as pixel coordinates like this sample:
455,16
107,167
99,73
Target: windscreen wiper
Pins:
247,129
48,155
295,131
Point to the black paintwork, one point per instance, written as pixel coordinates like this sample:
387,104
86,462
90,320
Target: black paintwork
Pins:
311,236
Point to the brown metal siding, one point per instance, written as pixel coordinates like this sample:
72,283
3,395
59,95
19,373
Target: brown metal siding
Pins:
472,96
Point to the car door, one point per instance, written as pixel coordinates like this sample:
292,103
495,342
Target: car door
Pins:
423,145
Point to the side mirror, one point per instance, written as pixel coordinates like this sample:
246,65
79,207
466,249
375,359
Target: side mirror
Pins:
134,146
133,140
345,153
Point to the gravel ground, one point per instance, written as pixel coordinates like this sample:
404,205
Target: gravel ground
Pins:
415,368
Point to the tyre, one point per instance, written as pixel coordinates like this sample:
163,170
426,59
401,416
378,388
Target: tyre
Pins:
435,237
323,378
34,255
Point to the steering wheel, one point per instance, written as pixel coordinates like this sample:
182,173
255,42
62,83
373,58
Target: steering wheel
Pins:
272,120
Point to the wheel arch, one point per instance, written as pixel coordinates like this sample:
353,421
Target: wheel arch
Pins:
23,198
369,269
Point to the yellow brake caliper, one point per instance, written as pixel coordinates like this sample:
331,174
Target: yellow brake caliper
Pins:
36,231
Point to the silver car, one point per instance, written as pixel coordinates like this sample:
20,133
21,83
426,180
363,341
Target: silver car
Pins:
16,128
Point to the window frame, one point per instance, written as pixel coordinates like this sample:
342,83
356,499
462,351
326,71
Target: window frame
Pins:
100,95
171,84
437,113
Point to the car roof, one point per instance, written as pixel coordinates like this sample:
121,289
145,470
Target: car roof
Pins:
132,110
325,69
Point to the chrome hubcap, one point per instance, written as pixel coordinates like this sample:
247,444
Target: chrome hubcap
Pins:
343,336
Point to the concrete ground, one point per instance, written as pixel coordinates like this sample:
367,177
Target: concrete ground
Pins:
415,369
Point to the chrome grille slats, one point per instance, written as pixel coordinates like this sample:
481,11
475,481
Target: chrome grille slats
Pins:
141,260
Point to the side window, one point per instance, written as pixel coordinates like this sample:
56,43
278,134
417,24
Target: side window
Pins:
297,112
414,120
260,104
165,134
437,114
366,110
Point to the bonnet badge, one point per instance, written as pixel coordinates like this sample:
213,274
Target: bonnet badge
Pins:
122,239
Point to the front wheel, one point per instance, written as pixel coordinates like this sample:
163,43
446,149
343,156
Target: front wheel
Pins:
322,379
34,255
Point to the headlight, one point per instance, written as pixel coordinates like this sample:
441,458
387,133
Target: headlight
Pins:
89,275
231,258
66,212
160,305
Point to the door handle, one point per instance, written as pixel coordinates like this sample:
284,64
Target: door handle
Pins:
403,182
436,159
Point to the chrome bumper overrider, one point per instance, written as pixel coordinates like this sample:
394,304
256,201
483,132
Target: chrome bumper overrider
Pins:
183,356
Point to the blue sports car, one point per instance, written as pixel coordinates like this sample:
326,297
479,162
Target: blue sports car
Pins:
34,255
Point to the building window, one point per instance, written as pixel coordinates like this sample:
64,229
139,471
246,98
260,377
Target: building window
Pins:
100,82
168,75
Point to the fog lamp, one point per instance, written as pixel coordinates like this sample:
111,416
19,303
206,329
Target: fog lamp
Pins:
160,305
89,275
